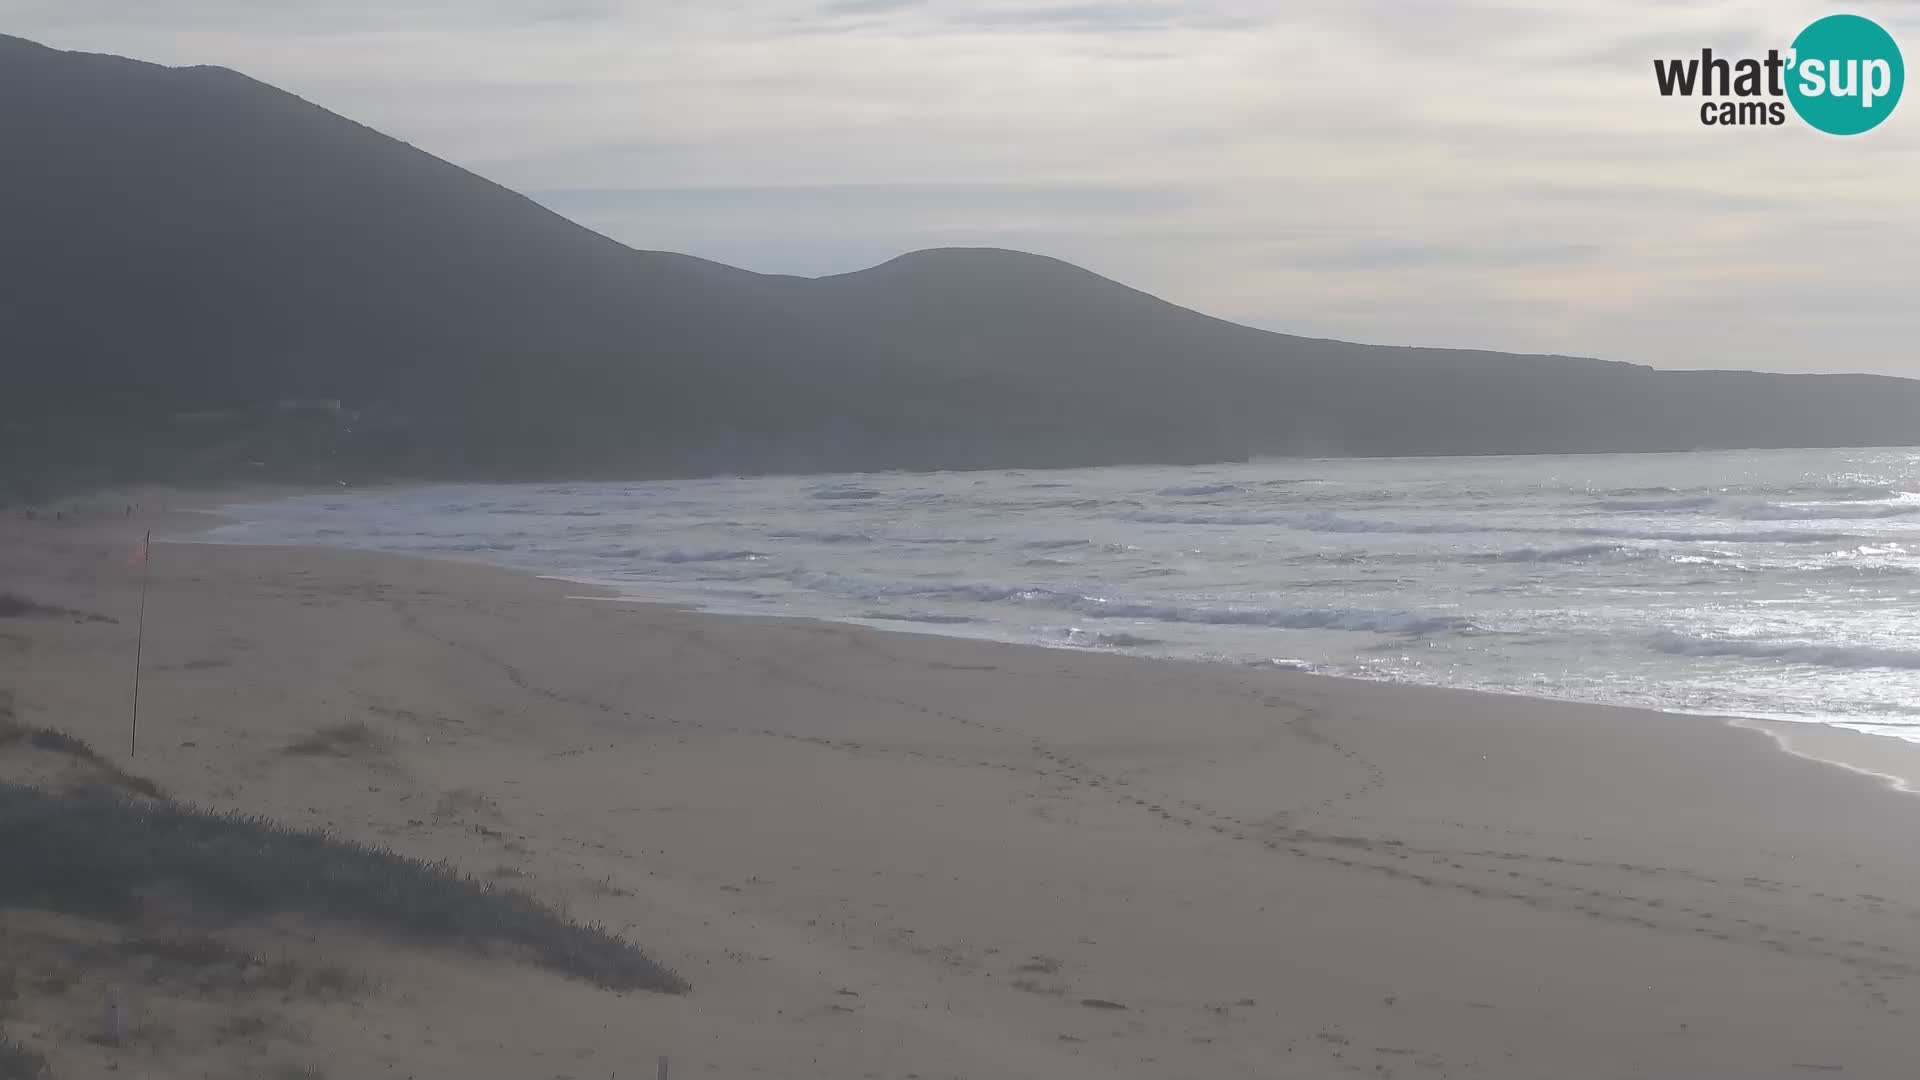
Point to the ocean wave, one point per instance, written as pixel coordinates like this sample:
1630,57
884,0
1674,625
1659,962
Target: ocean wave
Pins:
1336,583
1100,639
1691,502
1102,607
1281,663
1762,536
1051,545
1792,652
622,551
1847,492
1315,521
847,494
823,536
1820,512
516,511
1185,490
947,590
1068,504
1870,551
1725,561
935,620
1379,622
1576,553
1337,558
1328,522
1165,517
678,555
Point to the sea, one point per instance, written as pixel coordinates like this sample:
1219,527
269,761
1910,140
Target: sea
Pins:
1770,584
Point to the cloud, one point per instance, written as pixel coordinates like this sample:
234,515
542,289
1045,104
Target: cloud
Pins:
1486,173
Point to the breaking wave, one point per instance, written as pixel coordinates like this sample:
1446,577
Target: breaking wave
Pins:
1831,656
1310,521
1280,618
1576,553
1819,512
1719,536
1098,639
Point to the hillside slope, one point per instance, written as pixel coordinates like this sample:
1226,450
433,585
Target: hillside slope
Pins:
205,274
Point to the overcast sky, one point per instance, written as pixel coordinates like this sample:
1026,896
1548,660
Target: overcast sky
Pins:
1444,172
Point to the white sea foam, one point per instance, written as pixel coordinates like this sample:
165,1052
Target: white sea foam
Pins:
1117,640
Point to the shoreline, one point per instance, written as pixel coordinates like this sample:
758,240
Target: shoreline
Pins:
882,852
1889,759
1897,765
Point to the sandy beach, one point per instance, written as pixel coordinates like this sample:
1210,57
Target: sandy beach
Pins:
904,856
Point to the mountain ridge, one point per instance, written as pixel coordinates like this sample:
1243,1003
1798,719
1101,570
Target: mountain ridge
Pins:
192,243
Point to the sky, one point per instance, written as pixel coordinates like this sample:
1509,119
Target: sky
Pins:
1462,173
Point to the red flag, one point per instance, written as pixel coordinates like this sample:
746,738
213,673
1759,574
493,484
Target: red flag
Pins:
138,557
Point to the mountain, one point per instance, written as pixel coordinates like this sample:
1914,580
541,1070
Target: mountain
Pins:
193,242
205,274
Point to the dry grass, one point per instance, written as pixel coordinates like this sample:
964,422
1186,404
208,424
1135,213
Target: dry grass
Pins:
15,606
98,853
202,964
465,803
247,1026
95,878
94,851
604,886
187,993
19,1063
351,739
54,741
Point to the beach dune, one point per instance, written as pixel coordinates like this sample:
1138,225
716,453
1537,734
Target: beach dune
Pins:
897,855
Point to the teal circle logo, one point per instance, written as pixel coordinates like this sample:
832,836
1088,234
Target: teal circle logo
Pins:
1846,75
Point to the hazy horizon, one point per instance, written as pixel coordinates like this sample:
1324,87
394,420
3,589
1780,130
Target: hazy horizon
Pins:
1343,170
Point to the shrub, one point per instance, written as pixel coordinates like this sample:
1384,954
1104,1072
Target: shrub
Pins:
96,852
19,1063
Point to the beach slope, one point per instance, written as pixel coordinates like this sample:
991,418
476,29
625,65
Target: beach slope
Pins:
895,855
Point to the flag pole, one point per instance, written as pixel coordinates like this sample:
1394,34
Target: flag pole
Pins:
140,640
